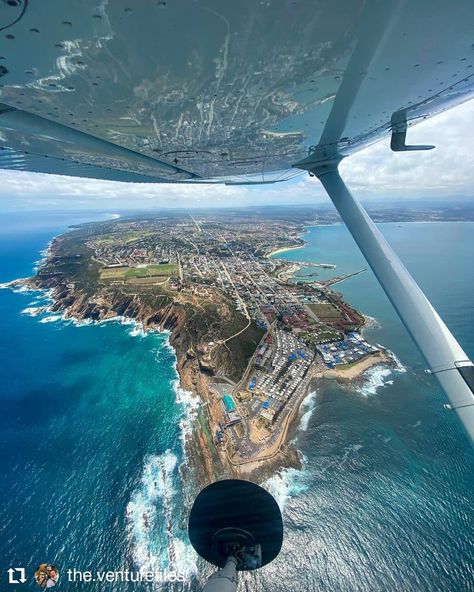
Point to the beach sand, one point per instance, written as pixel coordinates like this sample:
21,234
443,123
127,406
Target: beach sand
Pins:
283,250
354,371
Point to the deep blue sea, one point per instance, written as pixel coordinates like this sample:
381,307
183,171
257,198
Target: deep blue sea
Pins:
91,432
93,419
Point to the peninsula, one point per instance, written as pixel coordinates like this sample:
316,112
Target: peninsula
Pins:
250,335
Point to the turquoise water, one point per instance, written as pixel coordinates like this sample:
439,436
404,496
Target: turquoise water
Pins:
91,433
386,498
92,428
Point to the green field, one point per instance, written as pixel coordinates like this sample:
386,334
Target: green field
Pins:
155,270
326,311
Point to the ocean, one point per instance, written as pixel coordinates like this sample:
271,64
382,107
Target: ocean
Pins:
93,424
91,432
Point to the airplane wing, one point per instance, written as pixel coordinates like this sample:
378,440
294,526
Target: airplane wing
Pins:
166,91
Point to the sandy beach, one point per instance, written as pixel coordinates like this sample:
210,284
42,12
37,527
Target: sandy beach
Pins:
283,250
354,371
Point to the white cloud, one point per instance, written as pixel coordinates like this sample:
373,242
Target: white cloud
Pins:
374,173
446,171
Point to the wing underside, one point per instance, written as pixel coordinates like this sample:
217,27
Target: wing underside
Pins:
182,91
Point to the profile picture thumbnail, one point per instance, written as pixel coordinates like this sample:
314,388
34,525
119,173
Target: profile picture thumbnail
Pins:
46,575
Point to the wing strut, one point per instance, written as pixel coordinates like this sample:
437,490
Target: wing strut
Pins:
444,355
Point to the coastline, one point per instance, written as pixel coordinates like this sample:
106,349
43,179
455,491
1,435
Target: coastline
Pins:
201,465
188,392
204,462
348,434
356,370
283,250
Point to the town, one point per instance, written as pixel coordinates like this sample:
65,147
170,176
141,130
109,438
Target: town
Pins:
306,328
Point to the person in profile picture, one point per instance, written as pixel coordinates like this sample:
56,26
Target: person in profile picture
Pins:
46,575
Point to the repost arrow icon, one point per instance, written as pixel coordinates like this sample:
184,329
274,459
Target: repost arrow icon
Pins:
19,573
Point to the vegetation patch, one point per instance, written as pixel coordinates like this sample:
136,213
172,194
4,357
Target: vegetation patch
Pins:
326,311
145,271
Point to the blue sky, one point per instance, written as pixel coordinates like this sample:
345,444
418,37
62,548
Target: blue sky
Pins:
375,173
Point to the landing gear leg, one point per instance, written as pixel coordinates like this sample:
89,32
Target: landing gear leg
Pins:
444,355
223,580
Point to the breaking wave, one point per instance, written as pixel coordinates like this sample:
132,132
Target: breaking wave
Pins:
286,484
399,367
190,404
51,319
17,287
374,378
137,330
33,311
157,540
379,376
136,327
188,401
308,407
371,323
79,322
157,544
